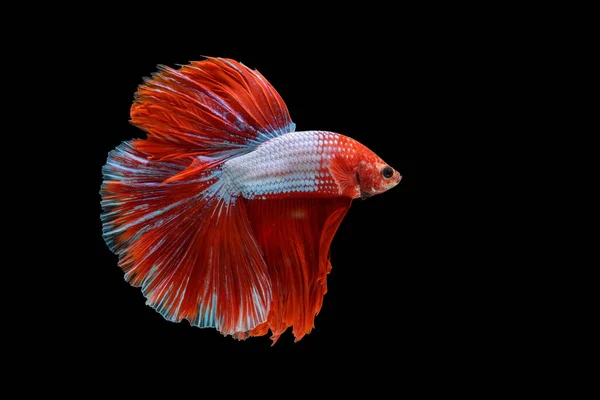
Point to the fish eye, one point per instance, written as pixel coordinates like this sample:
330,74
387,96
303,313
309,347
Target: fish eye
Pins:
387,172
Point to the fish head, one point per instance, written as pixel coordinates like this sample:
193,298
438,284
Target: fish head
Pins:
374,176
360,173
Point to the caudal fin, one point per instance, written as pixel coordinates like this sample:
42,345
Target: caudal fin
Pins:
183,242
178,232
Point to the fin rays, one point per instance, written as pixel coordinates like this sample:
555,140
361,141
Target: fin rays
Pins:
295,235
207,107
188,247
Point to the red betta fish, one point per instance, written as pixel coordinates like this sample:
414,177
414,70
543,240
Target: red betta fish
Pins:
224,215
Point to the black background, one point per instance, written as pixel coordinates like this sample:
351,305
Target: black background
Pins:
380,296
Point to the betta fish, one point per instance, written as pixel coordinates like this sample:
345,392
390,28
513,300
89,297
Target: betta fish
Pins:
225,213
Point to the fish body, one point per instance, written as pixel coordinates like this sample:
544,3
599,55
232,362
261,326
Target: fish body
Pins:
224,214
312,164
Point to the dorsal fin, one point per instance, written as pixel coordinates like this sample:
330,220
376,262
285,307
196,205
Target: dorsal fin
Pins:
207,108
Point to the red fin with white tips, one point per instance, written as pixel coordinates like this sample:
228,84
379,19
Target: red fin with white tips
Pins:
214,107
295,235
189,246
178,234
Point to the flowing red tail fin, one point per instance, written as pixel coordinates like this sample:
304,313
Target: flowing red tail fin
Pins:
184,243
177,231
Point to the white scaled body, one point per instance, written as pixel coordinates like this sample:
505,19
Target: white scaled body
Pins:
296,162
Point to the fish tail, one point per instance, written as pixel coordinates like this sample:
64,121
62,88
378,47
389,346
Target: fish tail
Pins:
182,241
179,233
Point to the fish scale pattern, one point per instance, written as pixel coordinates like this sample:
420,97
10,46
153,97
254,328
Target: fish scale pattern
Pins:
296,162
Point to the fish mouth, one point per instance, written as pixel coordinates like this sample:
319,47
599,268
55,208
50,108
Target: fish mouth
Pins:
365,195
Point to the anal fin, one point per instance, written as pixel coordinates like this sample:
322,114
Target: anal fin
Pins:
294,236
